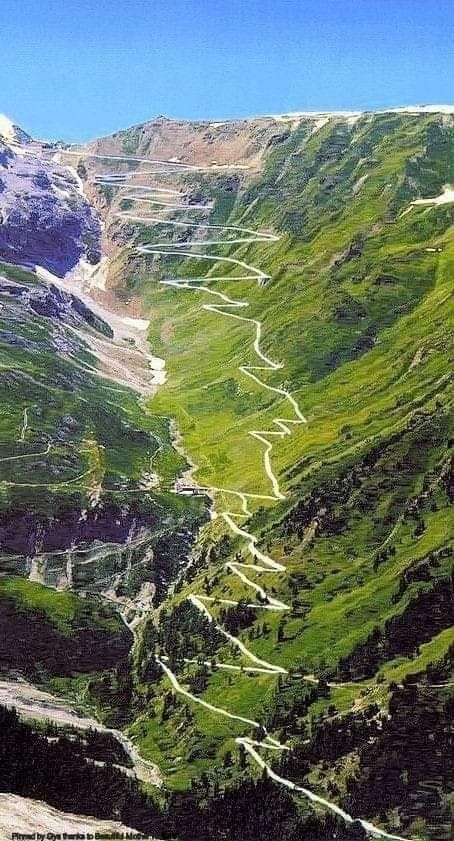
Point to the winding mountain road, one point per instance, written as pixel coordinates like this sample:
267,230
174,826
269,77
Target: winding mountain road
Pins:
171,201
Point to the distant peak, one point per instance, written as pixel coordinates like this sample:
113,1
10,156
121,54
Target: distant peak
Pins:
12,133
7,129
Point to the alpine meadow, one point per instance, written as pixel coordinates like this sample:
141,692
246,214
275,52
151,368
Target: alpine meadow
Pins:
226,592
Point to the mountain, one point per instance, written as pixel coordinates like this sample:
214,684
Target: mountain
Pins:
45,221
292,665
12,134
75,439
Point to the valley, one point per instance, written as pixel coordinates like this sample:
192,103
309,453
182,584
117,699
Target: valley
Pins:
288,580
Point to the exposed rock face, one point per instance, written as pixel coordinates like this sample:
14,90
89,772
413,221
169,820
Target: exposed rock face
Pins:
44,218
201,142
105,548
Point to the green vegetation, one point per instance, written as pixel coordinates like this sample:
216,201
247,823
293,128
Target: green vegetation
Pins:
63,774
45,634
60,608
75,453
358,310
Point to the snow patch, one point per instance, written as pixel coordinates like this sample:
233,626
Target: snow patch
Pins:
7,129
420,109
314,115
138,323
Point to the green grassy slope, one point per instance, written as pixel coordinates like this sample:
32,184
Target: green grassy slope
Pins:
46,634
353,270
75,451
358,310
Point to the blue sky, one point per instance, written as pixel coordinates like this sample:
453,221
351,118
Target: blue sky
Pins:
79,69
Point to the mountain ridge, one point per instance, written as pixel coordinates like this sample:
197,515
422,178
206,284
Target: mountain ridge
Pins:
418,109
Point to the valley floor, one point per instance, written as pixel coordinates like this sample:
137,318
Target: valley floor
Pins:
28,817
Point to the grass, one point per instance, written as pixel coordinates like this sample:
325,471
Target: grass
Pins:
431,652
84,436
61,608
216,412
47,635
357,309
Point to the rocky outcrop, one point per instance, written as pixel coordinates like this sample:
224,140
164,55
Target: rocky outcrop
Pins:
44,218
200,142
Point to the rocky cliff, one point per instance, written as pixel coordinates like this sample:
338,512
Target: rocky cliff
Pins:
44,218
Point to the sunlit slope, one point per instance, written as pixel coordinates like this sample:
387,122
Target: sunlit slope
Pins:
357,309
76,449
351,277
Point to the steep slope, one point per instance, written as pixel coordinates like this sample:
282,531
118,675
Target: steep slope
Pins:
44,218
79,505
28,816
295,275
342,503
57,634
